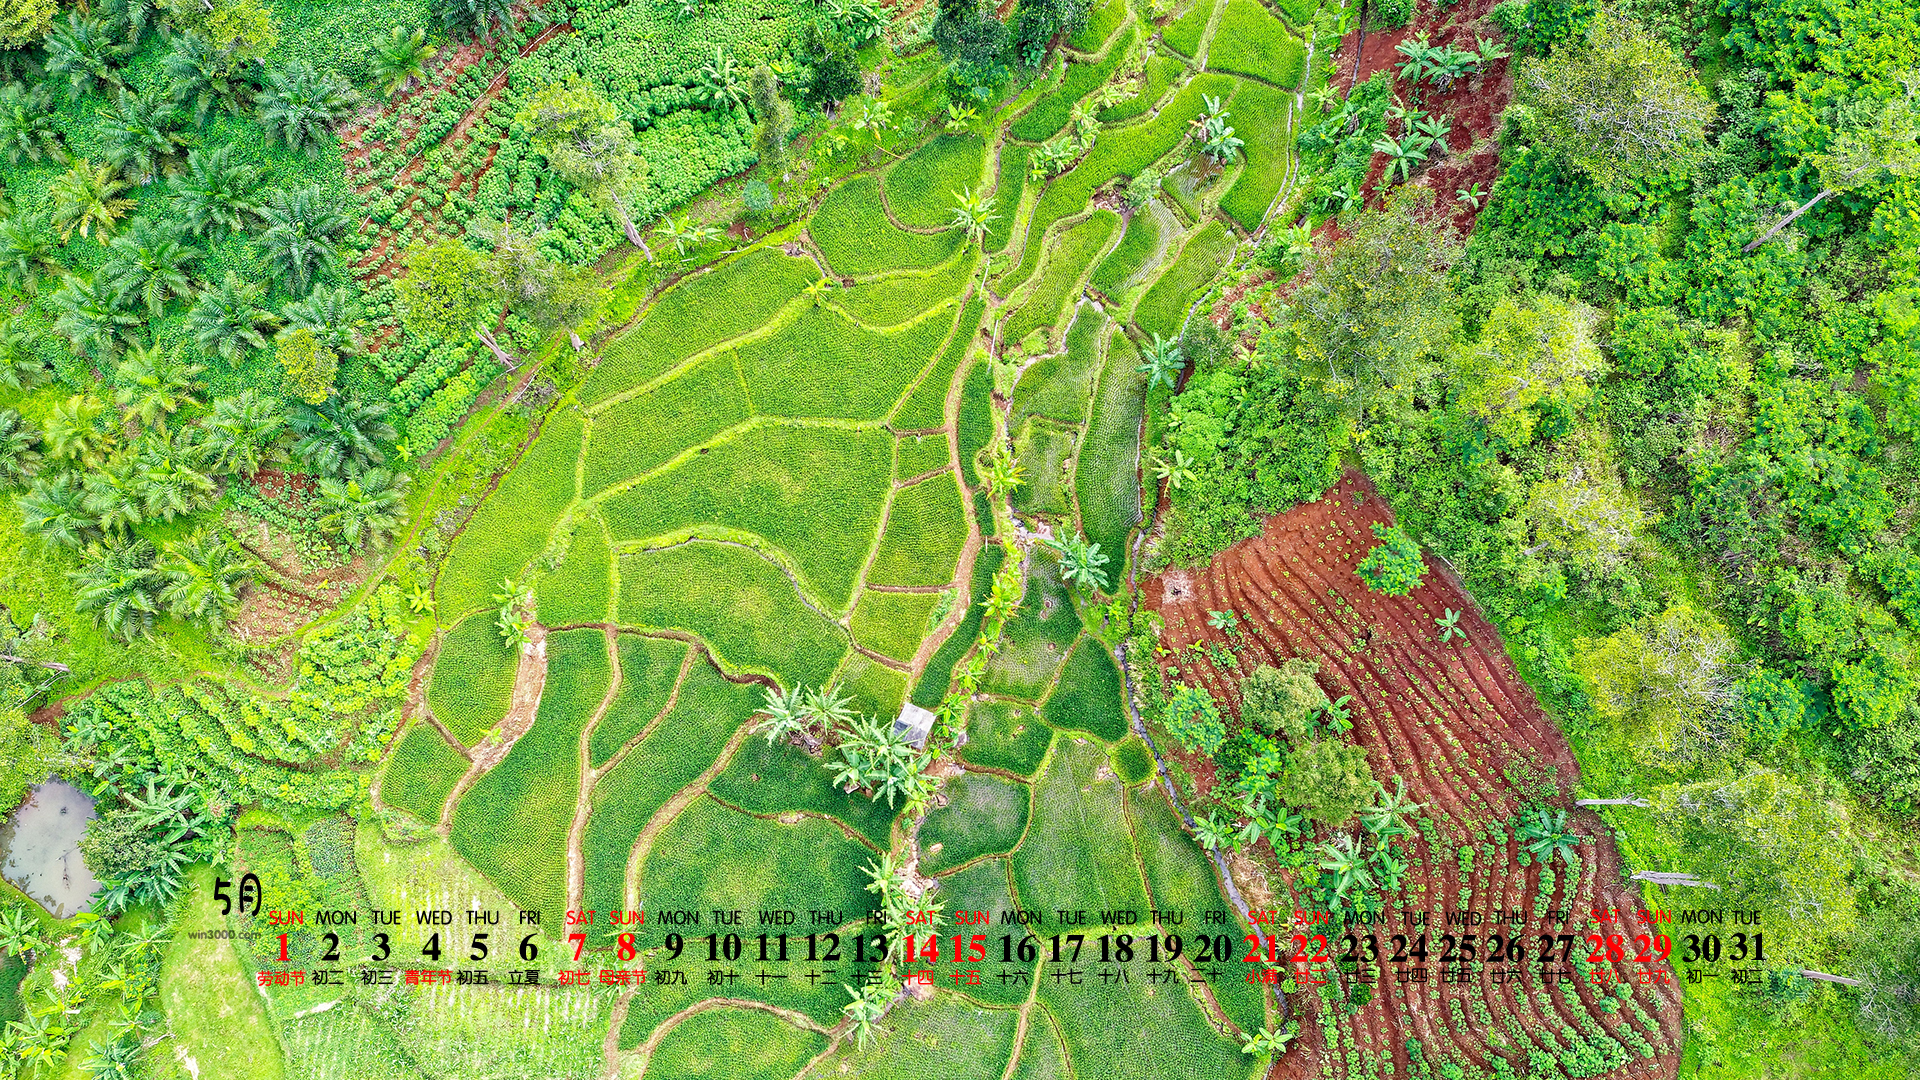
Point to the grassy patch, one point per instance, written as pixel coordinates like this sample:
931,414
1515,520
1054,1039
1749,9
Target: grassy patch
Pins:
512,826
580,590
1041,1056
920,190
642,433
715,857
1183,34
742,606
893,624
709,711
1162,70
984,887
1250,41
1263,116
875,688
514,524
700,312
212,1009
721,1044
472,679
815,493
1058,386
769,778
1124,264
823,365
984,815
939,671
939,1039
1047,452
926,404
918,455
896,298
1164,309
926,528
851,229
1037,638
1132,761
976,417
1102,21
1106,479
1181,878
1132,1032
1088,696
1298,12
1009,187
422,772
648,668
1049,114
1075,251
1077,844
1006,735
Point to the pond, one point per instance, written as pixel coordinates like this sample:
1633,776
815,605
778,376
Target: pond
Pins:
41,846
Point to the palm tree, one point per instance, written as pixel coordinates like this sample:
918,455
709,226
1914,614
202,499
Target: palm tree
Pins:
19,449
400,62
150,260
341,437
299,105
168,478
113,497
332,316
786,714
121,586
141,132
472,18
365,509
154,383
302,226
206,573
200,76
21,367
1162,362
245,428
88,316
87,198
27,130
79,432
215,194
1217,140
972,213
27,248
229,319
720,82
54,510
84,53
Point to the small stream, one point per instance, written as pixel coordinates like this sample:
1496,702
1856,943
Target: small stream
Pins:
41,846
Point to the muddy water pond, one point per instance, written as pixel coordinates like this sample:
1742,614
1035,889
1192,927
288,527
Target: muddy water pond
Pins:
40,848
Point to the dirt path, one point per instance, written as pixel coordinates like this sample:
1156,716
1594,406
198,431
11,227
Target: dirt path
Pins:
528,682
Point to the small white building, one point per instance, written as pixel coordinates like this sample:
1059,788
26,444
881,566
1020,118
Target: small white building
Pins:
915,723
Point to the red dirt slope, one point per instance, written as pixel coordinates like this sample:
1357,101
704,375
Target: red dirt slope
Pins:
1452,720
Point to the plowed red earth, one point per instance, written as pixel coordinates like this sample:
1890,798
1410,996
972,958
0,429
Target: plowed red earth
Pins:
1452,720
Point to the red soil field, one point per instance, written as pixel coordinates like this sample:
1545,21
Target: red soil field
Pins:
1454,721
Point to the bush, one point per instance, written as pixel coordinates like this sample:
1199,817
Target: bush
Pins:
1194,719
1394,566
758,196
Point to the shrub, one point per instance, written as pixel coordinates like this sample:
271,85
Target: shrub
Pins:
1194,719
1394,565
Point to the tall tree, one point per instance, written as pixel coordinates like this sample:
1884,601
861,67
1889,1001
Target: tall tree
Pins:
84,53
450,294
472,18
215,195
150,261
309,366
588,146
1621,106
229,320
142,133
89,316
87,199
246,429
55,511
341,437
119,584
19,449
773,121
400,60
206,575
27,250
299,105
1666,679
303,228
1582,513
1529,353
27,130
1874,141
366,509
153,383
332,315
22,22
200,77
